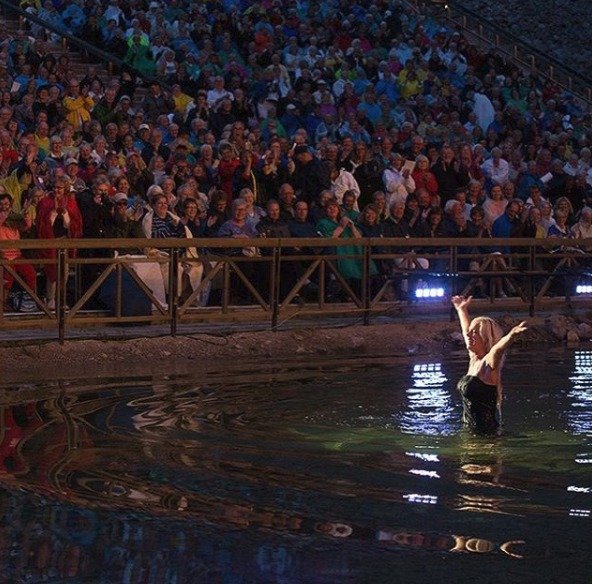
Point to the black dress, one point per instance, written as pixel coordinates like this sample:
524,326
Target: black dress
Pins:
479,404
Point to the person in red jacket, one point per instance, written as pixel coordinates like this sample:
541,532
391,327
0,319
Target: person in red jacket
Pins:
229,162
58,216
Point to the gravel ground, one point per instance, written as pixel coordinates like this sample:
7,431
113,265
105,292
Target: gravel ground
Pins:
560,28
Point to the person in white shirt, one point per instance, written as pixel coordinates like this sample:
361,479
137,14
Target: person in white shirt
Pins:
342,181
496,168
218,93
398,183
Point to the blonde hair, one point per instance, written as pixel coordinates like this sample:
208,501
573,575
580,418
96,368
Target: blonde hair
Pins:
489,330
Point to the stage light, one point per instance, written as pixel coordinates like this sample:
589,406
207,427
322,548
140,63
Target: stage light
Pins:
584,289
426,293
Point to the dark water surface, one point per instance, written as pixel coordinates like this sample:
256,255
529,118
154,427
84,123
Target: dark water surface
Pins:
329,471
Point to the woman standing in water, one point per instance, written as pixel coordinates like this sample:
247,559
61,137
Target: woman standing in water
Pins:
481,387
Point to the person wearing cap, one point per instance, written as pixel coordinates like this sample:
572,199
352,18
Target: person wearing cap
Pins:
121,225
311,175
72,169
123,110
291,120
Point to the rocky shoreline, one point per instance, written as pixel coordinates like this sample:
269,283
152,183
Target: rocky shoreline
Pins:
94,358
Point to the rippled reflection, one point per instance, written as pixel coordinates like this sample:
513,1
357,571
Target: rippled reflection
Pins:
283,474
580,414
430,409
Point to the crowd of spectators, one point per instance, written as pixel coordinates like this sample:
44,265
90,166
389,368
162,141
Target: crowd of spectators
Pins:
555,27
276,119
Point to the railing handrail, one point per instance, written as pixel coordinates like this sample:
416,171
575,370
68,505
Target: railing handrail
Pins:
288,242
82,44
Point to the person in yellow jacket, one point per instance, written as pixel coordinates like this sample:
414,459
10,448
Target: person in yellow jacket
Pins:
77,104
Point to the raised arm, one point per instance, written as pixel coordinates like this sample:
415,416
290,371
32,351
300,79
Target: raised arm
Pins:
496,354
462,309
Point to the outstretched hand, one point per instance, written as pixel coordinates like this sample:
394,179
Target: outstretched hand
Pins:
519,328
461,302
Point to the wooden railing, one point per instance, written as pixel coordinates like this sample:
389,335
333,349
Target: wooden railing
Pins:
530,268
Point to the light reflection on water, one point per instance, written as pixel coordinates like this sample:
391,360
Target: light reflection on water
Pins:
430,409
316,472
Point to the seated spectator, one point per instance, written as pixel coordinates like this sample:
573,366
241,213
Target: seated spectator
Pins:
583,228
424,178
455,221
191,219
239,226
496,169
349,204
396,226
335,225
217,214
450,174
495,204
343,182
160,223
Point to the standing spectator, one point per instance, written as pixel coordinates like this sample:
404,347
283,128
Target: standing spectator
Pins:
77,105
450,174
425,178
398,182
311,175
58,216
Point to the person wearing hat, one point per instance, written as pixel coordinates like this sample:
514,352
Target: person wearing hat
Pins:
121,225
123,110
311,175
72,169
292,120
